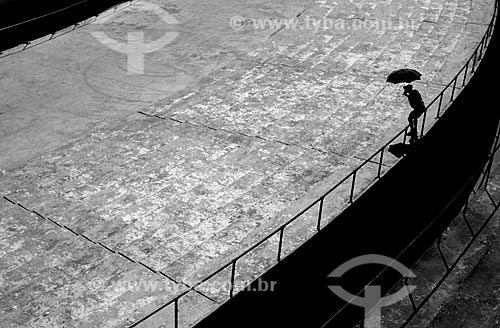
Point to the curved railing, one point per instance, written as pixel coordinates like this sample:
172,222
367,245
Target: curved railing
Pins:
31,43
58,11
477,182
483,175
356,182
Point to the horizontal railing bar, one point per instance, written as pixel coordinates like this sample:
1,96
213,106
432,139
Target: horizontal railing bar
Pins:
42,16
52,34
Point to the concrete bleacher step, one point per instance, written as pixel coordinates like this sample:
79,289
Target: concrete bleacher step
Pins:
251,221
309,104
92,210
50,276
168,201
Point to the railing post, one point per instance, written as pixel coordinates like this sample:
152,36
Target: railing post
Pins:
464,215
351,197
233,270
489,196
282,230
488,172
412,300
440,103
438,245
487,169
488,32
453,90
465,73
485,174
318,228
467,223
423,124
481,48
497,138
380,162
176,313
474,62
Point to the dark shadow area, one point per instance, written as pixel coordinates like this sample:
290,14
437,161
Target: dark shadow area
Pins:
26,20
396,210
401,149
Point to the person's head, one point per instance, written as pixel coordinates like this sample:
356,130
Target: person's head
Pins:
408,88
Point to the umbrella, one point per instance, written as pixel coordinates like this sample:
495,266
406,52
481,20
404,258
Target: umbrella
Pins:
406,75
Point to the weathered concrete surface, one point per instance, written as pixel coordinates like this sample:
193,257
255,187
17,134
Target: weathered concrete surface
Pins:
257,123
51,278
55,92
125,186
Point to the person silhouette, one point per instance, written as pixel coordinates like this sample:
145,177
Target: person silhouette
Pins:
416,102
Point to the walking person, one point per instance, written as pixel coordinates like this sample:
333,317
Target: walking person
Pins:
416,102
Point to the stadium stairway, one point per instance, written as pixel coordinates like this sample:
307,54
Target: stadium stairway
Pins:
384,220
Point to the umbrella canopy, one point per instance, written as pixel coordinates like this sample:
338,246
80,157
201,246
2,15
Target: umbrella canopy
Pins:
404,75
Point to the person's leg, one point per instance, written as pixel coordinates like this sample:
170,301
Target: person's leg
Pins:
413,135
412,120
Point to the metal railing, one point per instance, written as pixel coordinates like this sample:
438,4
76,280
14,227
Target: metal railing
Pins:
372,165
478,181
474,235
42,16
27,44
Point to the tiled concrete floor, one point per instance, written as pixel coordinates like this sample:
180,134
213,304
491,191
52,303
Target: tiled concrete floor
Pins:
250,126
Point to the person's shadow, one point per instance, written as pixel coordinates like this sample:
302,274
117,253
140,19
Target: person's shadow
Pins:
401,149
